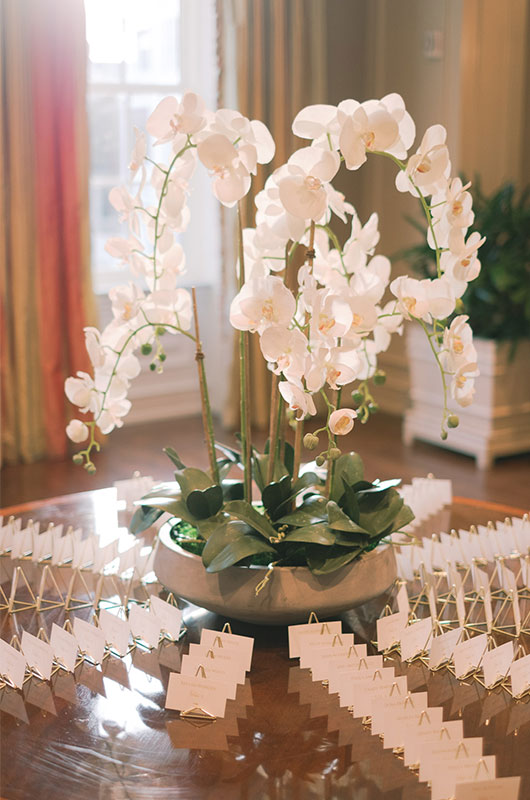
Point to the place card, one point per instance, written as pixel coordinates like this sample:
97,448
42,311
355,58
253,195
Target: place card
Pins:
239,647
224,658
309,629
325,663
144,625
22,542
495,789
520,676
467,655
38,655
351,670
390,628
64,647
364,693
397,722
431,753
117,631
212,670
414,639
396,704
425,732
105,556
91,640
443,646
186,694
12,664
129,556
84,552
496,663
169,615
403,600
311,647
448,773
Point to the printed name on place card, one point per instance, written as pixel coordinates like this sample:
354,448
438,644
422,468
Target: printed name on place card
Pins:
360,693
496,663
448,773
170,616
91,640
309,629
442,647
185,693
397,723
38,654
467,655
64,647
213,671
144,625
224,658
117,631
417,735
326,661
496,789
240,646
312,646
415,638
397,703
389,629
431,753
352,670
12,664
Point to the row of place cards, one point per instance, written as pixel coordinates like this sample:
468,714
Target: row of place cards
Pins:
453,764
38,656
210,674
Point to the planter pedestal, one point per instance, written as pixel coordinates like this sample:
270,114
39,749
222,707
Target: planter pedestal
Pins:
288,597
498,421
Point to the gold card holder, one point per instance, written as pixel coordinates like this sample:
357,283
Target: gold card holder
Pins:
79,595
49,594
195,712
20,586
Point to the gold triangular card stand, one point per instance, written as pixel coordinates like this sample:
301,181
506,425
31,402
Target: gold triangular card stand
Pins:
135,582
16,603
110,592
49,594
4,600
199,713
78,595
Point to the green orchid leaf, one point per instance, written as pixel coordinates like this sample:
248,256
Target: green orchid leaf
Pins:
313,509
233,455
320,563
190,479
260,468
177,508
231,543
315,534
348,503
275,494
348,471
304,482
377,521
206,502
339,521
403,517
380,486
175,458
170,489
205,527
357,540
143,518
247,513
233,490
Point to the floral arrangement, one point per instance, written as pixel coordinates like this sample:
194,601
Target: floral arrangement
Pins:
320,325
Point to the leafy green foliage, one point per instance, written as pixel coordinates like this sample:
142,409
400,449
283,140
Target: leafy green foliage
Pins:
498,301
295,526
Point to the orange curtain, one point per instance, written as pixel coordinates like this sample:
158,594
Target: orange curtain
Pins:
279,67
45,290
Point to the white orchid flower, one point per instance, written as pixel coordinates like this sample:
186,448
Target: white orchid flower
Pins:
77,431
286,349
231,176
170,307
297,399
126,301
341,421
458,345
463,384
126,205
429,167
260,303
460,263
317,122
111,415
372,126
302,191
174,120
81,391
139,152
331,317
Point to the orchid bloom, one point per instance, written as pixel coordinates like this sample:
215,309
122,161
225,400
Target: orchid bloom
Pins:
297,400
341,421
428,169
260,303
174,120
302,191
231,176
285,348
460,263
463,384
376,125
77,431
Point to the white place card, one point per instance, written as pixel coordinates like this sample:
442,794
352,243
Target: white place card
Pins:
84,552
64,647
363,693
389,629
296,632
212,670
325,663
38,654
414,639
351,670
496,663
396,704
22,542
425,732
144,625
496,789
105,556
396,722
12,664
117,631
443,646
91,640
312,646
240,647
43,545
170,616
449,773
185,693
520,676
403,600
129,556
223,657
468,655
431,753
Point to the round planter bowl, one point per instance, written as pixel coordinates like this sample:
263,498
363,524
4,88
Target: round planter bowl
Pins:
290,594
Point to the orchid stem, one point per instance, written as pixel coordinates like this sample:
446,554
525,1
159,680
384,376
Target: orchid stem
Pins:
244,378
207,421
274,424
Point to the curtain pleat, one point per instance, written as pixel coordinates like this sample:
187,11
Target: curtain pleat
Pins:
281,60
46,296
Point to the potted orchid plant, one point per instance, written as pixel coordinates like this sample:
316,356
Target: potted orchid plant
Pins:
320,326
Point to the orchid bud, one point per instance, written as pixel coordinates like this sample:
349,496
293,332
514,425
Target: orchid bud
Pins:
320,460
443,435
357,398
379,377
77,458
152,366
90,468
310,441
334,453
453,421
146,349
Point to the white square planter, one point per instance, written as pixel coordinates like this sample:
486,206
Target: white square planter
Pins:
498,421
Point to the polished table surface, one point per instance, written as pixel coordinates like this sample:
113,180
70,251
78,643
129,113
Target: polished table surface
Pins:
104,733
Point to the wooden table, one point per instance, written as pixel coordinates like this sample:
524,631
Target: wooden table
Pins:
104,734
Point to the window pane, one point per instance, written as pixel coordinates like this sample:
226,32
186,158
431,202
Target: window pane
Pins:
104,113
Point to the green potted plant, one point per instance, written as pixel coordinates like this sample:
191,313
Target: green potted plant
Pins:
286,537
497,303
